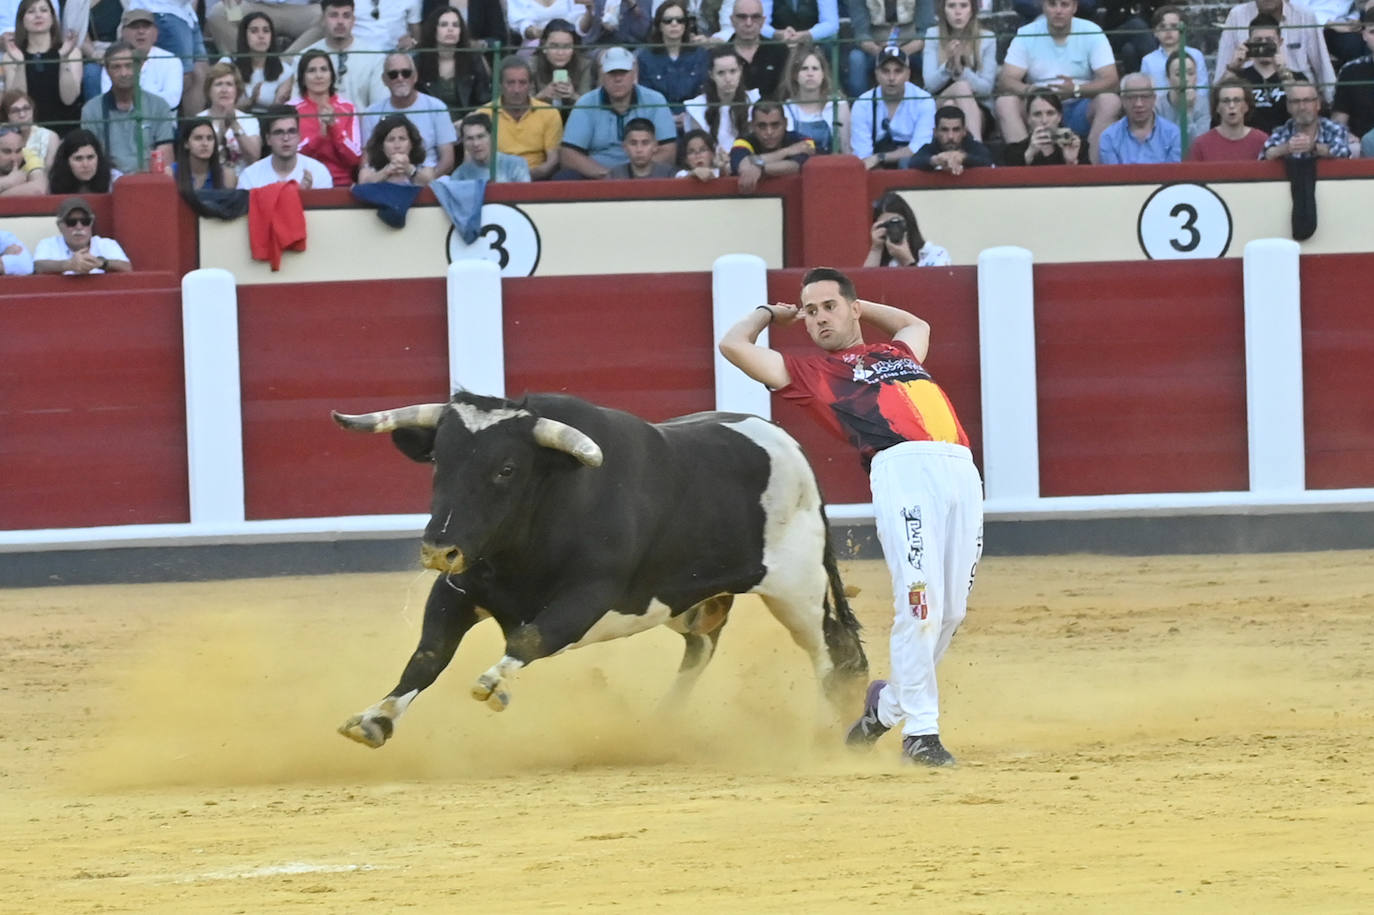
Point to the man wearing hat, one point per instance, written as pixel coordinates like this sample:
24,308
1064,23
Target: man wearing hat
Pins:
160,71
889,122
78,249
593,138
129,120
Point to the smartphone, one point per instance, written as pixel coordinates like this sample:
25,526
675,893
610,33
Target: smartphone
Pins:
560,76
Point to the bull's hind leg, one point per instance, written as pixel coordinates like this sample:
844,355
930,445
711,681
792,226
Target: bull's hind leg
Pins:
449,614
700,627
798,602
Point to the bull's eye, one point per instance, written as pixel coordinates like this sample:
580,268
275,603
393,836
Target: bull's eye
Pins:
505,473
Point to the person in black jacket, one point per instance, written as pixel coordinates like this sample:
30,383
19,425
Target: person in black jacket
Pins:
952,149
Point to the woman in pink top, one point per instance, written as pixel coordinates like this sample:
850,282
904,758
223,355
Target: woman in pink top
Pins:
1230,140
330,131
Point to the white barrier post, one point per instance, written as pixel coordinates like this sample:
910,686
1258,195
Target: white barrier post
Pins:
476,339
1006,356
1273,366
739,282
214,412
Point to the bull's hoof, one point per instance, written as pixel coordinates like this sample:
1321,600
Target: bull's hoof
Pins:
488,690
370,731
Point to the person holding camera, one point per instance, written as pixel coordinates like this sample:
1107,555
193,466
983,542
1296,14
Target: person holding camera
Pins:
1050,142
896,240
1260,62
953,149
1300,37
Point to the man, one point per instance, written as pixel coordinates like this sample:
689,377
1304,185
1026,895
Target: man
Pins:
769,148
791,21
1050,142
477,154
390,24
129,121
1141,137
21,168
357,64
527,127
1301,38
159,71
927,496
1354,105
1069,55
1307,135
878,25
284,162
952,150
15,259
764,63
641,143
1232,140
78,250
1260,62
892,120
179,34
592,138
428,114
290,19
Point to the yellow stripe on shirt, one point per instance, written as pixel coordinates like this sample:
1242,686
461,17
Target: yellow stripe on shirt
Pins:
934,410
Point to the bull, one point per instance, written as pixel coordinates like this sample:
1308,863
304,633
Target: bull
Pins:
570,523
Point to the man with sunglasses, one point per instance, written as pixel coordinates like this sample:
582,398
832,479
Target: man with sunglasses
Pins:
282,127
358,64
78,250
429,115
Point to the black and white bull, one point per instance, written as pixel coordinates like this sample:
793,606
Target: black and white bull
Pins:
570,523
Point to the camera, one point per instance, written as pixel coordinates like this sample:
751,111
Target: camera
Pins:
1261,47
1063,136
895,229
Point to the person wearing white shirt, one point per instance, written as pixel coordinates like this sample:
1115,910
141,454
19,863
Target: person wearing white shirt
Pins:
357,64
1304,51
78,250
160,72
388,23
178,32
429,115
889,122
284,162
15,259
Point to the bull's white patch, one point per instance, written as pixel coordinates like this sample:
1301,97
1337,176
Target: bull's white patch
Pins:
616,625
476,419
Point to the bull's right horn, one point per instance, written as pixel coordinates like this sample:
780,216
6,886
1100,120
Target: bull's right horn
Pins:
552,434
418,416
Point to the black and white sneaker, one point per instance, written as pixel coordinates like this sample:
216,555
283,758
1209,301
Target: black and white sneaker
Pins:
926,750
866,731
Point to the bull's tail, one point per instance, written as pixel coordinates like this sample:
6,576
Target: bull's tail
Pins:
841,628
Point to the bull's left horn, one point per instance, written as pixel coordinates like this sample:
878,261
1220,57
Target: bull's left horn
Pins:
418,416
552,434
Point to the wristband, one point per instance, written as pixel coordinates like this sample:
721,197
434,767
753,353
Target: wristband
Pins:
767,308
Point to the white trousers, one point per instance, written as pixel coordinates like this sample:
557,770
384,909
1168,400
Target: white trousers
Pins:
928,505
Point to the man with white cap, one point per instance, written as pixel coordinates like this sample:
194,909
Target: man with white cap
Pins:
593,138
78,250
160,72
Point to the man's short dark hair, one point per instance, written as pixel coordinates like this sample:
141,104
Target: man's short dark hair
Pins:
275,113
949,113
118,47
1163,11
326,4
767,105
1263,21
824,274
514,62
476,119
642,125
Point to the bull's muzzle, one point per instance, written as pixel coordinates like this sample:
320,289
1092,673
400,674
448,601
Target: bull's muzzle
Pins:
448,559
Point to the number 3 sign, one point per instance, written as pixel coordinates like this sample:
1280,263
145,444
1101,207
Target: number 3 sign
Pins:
1184,221
508,238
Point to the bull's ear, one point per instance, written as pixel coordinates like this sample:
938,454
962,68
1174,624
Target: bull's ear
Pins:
416,444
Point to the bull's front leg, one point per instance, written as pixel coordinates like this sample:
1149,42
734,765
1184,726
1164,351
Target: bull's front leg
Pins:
449,614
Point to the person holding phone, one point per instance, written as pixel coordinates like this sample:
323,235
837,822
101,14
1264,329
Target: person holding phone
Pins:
1260,61
895,239
1300,39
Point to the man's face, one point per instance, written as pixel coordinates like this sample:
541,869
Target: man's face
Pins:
949,133
1270,8
338,22
399,74
122,72
477,144
1059,13
1166,33
1139,102
892,78
1369,36
283,137
11,152
747,19
141,34
831,320
1304,105
515,87
1269,36
769,127
640,146
77,227
618,84
1231,106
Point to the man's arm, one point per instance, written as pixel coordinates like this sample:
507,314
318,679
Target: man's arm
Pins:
36,182
580,162
666,152
1104,80
1012,81
446,157
898,324
923,157
548,166
760,363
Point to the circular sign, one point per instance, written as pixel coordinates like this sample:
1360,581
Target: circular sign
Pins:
508,239
1184,221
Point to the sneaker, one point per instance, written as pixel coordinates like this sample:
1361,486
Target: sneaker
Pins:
866,731
926,750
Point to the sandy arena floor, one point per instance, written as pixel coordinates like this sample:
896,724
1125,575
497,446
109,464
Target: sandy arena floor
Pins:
1188,734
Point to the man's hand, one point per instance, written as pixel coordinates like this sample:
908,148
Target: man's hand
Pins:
1063,86
784,314
873,161
1300,144
12,52
307,181
951,160
70,44
13,249
749,175
84,261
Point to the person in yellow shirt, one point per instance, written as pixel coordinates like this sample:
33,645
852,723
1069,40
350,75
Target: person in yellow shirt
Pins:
525,126
21,168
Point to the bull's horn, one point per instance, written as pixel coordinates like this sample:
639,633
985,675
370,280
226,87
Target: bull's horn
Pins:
419,416
552,434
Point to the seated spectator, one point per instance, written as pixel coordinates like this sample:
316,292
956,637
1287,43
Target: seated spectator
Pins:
1182,103
15,259
266,80
670,64
1301,38
895,240
763,63
526,127
610,22
395,153
1260,62
1069,55
722,109
429,115
894,119
477,153
225,20
239,138
38,60
698,156
529,17
795,22
879,26
591,139
179,34
960,61
1354,105
199,165
21,171
1231,140
1167,21
1341,19
485,20
1140,137
448,66
952,150
769,148
641,143
391,25
357,63
562,73
77,249
1050,142
16,110
159,71
809,101
126,112
284,161
1127,26
330,129
81,166
1307,135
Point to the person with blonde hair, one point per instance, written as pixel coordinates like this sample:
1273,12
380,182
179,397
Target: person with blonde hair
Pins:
959,64
810,102
240,140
